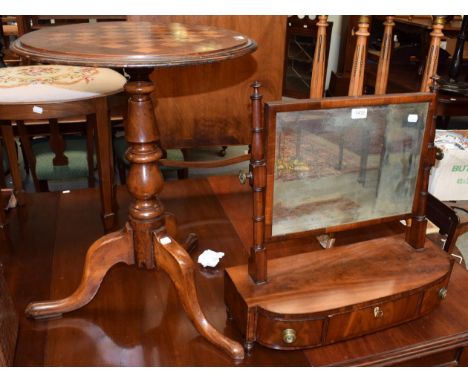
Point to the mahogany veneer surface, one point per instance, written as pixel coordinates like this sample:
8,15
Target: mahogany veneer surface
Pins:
133,44
330,280
8,324
136,319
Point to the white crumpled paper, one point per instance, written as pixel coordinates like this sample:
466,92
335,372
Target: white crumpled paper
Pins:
210,258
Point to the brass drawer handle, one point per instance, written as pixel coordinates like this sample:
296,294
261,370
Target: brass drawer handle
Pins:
289,336
243,176
378,312
442,293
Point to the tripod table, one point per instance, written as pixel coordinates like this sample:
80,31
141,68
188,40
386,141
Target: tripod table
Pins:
147,239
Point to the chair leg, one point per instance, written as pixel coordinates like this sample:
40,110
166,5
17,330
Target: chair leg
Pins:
3,220
43,186
182,173
26,165
28,153
105,163
10,144
2,170
91,125
57,144
122,171
222,152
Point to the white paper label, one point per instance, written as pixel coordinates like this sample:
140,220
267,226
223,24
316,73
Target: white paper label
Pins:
358,113
37,109
165,240
412,118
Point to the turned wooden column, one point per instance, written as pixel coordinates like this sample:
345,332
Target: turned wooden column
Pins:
317,80
145,181
432,59
257,168
416,232
356,85
356,82
385,55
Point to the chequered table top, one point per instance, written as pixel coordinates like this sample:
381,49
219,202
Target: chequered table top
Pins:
122,44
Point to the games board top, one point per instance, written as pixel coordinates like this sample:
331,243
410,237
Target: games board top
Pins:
133,44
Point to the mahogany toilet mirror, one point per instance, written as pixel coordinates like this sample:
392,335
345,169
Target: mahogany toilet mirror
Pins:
329,165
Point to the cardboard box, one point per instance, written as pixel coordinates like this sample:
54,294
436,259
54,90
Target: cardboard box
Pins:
449,176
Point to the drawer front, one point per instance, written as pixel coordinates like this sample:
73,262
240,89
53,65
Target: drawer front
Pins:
433,296
372,318
285,334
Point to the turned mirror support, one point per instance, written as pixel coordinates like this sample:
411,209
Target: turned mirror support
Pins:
257,167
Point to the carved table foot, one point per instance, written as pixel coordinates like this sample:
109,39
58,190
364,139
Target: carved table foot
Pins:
178,265
109,250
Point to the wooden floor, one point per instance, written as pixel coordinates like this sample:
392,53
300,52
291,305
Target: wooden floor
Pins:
136,318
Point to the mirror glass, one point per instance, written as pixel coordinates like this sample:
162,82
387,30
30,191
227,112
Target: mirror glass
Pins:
345,165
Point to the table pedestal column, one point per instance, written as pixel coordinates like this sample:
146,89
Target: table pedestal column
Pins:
147,239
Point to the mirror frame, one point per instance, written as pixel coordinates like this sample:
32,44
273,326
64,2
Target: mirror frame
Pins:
270,112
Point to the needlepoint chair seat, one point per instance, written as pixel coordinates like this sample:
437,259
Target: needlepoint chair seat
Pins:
56,83
53,94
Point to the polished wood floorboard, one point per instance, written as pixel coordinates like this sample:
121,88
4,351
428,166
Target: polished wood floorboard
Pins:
136,318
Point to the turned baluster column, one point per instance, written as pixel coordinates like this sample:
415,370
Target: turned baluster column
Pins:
257,167
317,81
356,85
356,82
385,54
416,232
430,68
145,181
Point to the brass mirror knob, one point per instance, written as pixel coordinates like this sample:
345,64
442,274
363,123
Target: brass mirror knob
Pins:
243,176
378,312
442,293
289,336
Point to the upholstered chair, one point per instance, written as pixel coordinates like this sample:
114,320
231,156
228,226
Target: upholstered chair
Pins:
55,93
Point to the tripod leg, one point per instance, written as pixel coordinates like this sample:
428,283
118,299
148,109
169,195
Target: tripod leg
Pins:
109,250
176,262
